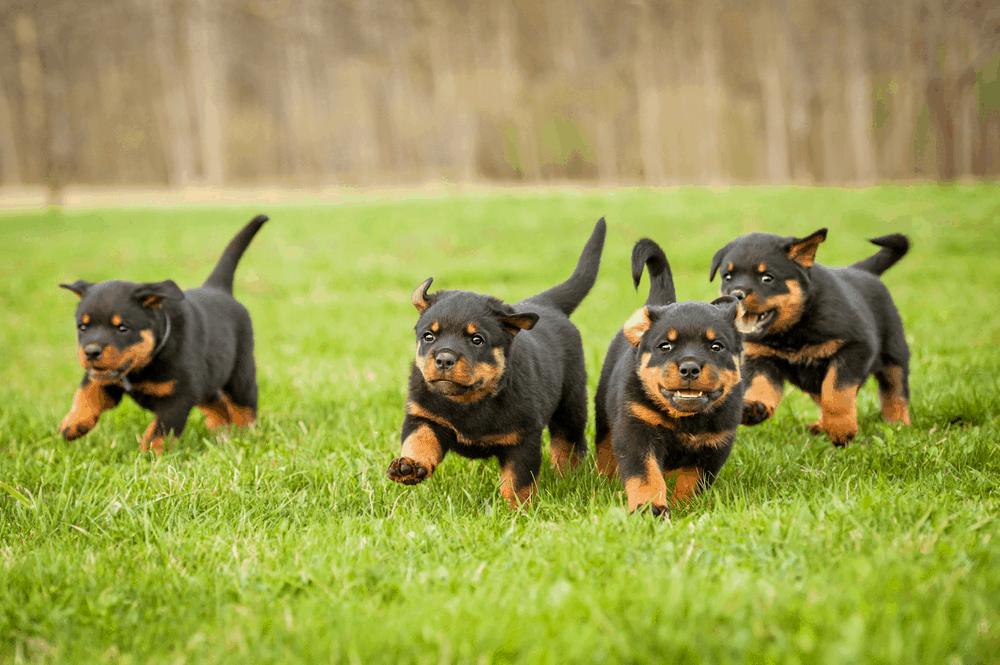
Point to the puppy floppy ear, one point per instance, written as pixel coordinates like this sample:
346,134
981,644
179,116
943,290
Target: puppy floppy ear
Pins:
717,261
79,287
152,294
638,324
419,296
733,310
515,323
803,250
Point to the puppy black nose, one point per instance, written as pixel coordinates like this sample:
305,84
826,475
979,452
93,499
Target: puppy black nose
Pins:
739,294
690,370
93,351
445,360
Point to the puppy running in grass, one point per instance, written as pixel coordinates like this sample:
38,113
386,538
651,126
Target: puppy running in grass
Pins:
167,349
824,330
489,377
670,396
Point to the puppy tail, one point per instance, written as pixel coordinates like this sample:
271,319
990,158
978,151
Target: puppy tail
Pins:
568,295
222,277
894,247
648,254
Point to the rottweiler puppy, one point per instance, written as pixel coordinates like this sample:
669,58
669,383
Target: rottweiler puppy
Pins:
167,349
823,329
488,377
670,396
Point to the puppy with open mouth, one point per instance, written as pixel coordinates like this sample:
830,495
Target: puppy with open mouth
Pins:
489,377
670,396
825,330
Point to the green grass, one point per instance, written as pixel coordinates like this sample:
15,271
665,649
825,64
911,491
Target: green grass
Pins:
287,543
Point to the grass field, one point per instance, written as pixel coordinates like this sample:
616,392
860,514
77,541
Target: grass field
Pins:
288,543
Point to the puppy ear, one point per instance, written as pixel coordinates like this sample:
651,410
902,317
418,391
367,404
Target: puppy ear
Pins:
419,296
733,311
717,261
152,294
803,250
79,287
515,323
637,325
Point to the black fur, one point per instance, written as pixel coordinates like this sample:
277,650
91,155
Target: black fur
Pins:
169,350
490,389
836,327
636,425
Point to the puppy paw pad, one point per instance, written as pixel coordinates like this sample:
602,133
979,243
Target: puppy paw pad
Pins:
407,471
755,413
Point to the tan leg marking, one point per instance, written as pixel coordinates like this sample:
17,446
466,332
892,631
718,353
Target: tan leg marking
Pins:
895,406
650,489
217,413
421,450
563,454
89,402
838,410
516,496
763,397
607,465
151,440
686,485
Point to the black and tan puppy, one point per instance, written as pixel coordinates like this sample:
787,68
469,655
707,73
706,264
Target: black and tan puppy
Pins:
169,350
489,377
670,396
823,329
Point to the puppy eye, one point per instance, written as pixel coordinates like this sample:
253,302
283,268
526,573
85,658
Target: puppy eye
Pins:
666,346
766,277
728,276
82,327
717,347
428,337
477,340
123,329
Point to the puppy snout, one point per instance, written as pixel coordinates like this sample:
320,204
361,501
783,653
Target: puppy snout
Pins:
740,294
689,370
445,360
93,351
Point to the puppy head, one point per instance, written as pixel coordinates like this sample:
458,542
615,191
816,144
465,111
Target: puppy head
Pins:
463,342
770,275
688,353
118,324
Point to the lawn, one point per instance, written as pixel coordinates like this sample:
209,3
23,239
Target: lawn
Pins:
288,543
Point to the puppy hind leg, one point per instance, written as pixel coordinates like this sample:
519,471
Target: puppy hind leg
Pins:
519,468
567,430
894,393
241,391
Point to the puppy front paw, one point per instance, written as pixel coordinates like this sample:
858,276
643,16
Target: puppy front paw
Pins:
73,427
657,510
408,471
755,413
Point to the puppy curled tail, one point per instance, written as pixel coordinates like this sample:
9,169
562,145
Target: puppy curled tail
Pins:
568,295
894,247
661,281
222,277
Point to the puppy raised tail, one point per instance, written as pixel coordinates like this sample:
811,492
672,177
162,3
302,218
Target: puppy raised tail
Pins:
568,295
661,281
222,277
894,247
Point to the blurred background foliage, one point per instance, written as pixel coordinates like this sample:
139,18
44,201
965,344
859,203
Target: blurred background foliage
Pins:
319,93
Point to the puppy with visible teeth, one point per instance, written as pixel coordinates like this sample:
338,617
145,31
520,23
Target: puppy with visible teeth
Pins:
167,349
489,377
825,330
670,397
